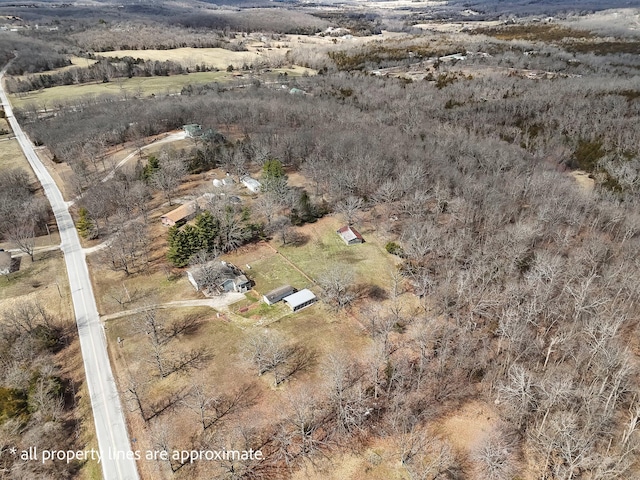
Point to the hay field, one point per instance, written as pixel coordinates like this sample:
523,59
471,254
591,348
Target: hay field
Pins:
213,57
121,86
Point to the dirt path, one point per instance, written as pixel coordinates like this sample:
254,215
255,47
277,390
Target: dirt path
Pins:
217,303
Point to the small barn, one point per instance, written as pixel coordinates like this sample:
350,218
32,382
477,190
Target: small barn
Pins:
300,300
350,235
180,215
274,296
251,183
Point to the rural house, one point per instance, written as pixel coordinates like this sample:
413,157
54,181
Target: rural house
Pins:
251,183
7,263
217,277
180,215
192,130
300,300
350,235
274,296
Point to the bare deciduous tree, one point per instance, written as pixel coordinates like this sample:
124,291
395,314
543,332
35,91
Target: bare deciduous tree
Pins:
337,285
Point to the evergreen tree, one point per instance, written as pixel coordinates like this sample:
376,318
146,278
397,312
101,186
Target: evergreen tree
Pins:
153,165
183,244
85,225
208,231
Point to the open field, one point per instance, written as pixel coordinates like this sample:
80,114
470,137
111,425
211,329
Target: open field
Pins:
76,62
11,157
122,86
136,86
212,57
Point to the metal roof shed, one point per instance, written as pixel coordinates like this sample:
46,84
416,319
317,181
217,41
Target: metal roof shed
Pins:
278,294
300,300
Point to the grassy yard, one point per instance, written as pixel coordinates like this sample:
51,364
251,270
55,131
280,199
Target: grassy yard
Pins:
324,249
44,280
275,271
142,289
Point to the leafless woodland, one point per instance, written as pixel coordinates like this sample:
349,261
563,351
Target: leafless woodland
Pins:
527,280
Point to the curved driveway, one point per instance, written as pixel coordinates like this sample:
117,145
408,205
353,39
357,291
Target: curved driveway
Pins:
111,430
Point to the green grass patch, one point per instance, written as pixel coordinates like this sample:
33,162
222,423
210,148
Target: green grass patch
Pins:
369,261
273,272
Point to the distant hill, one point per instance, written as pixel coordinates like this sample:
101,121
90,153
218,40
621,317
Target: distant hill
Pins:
537,7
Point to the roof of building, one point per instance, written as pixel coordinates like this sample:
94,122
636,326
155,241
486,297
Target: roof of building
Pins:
250,181
5,260
299,298
192,129
222,271
182,212
279,292
349,233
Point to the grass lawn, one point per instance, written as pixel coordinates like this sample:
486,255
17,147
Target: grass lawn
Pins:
275,271
143,289
44,280
11,157
324,248
131,86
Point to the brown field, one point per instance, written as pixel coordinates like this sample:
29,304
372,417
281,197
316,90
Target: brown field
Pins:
11,157
212,57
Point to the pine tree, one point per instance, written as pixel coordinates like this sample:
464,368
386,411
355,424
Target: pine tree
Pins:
208,231
183,244
85,225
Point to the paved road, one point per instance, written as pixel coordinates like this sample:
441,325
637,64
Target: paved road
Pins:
111,428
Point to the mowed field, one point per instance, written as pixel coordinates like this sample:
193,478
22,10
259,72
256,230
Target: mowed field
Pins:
190,57
145,86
